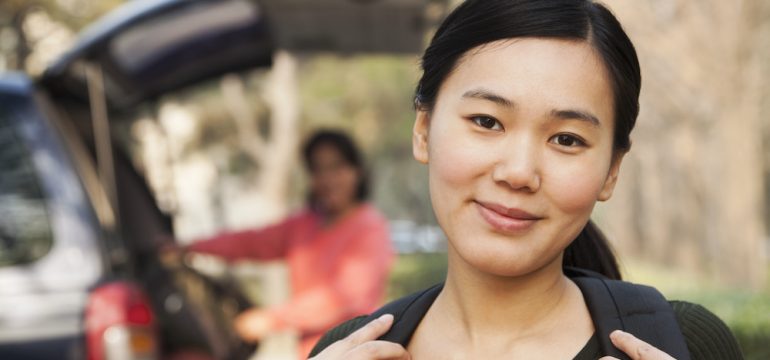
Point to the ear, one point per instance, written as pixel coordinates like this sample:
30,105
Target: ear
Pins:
612,177
420,136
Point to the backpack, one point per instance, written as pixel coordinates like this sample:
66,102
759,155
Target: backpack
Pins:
637,309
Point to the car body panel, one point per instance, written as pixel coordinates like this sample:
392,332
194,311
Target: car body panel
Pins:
143,50
150,47
44,298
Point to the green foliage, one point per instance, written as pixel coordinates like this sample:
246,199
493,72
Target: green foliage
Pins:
747,314
414,272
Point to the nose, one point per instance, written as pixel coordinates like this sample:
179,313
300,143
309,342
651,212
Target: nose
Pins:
518,166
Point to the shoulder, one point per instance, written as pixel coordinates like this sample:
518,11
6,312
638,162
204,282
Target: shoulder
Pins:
370,220
302,218
369,214
408,312
707,336
304,213
339,332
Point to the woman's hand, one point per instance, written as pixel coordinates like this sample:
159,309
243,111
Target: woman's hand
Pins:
362,344
169,253
254,324
635,348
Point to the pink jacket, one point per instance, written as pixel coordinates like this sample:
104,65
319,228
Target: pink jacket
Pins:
337,272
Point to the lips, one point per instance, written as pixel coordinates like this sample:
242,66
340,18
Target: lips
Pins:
506,220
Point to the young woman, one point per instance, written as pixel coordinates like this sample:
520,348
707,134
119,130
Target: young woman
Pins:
524,112
337,249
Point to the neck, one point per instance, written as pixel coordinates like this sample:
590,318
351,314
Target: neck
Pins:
485,306
332,216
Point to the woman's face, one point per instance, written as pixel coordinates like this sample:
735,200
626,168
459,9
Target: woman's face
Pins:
334,181
519,148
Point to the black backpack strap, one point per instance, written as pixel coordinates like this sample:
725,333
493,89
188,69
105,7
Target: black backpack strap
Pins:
407,313
637,309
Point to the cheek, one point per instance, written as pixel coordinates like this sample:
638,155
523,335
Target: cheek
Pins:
574,187
452,167
323,184
347,180
454,160
315,182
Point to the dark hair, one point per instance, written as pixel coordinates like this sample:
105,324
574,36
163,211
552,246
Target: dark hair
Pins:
477,22
347,148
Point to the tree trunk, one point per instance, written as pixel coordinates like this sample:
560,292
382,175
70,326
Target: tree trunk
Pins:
264,199
691,189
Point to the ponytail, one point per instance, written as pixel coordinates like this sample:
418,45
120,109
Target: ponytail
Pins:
591,251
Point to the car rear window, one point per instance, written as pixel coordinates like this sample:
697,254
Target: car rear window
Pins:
25,232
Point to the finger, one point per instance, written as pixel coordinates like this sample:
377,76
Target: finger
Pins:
635,348
242,328
249,324
608,358
370,331
379,350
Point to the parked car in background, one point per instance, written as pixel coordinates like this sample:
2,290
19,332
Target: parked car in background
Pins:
80,275
80,231
72,286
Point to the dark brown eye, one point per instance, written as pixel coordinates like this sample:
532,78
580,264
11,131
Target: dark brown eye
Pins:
487,122
567,140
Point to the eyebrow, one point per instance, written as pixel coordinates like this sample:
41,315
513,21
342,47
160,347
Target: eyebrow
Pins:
572,114
484,94
566,114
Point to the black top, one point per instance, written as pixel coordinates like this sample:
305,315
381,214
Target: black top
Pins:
707,337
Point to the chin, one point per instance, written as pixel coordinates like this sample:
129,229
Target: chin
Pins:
501,262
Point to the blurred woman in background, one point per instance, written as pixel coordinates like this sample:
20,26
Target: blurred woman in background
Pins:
338,248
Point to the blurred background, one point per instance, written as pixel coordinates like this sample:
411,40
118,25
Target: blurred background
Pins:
690,215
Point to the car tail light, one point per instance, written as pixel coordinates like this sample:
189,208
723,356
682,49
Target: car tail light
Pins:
120,324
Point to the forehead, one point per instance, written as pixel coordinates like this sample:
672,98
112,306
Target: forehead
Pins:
536,71
325,150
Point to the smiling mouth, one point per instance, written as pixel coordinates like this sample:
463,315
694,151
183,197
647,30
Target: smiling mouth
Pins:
506,220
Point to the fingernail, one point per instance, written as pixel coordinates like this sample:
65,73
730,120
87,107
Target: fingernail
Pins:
385,317
618,333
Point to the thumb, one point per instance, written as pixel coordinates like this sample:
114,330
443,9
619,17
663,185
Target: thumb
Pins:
372,330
